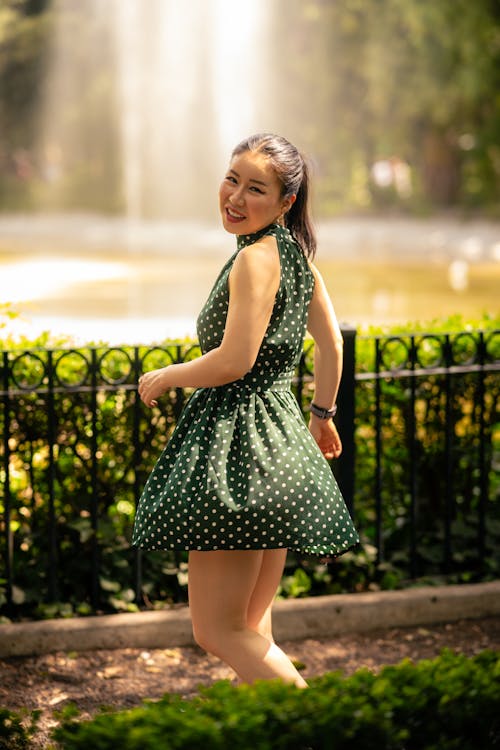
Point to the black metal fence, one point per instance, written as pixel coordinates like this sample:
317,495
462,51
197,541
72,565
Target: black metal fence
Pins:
418,415
435,421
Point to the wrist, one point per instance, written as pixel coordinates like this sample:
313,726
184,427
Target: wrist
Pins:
321,412
167,377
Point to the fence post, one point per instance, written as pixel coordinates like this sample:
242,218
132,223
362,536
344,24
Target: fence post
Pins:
9,545
344,469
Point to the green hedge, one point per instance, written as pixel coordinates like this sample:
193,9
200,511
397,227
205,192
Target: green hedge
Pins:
418,440
449,703
17,729
124,461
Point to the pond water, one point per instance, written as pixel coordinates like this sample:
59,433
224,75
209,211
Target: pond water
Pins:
98,279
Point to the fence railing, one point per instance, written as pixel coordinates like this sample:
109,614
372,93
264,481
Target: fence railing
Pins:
449,411
418,416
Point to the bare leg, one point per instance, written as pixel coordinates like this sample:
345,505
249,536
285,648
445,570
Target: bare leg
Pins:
221,587
261,601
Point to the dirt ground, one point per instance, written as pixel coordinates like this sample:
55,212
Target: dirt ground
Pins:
123,678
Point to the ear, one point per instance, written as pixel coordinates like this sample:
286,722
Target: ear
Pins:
288,203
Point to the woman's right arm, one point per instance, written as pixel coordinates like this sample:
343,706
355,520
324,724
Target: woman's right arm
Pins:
253,284
323,326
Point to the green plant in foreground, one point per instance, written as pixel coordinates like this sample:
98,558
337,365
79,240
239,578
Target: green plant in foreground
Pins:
15,732
449,703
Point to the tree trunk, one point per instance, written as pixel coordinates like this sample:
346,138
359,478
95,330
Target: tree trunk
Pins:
440,167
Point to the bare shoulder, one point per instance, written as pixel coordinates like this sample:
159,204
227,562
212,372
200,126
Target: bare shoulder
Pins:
319,284
261,258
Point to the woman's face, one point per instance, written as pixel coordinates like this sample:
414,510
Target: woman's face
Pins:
250,194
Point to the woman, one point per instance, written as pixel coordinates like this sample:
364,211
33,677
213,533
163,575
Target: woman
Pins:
242,479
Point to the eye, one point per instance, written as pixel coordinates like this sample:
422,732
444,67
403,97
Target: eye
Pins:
230,178
257,190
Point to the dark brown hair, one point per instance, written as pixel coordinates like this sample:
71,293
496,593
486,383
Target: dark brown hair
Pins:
293,173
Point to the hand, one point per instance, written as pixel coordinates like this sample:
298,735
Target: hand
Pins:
326,435
152,385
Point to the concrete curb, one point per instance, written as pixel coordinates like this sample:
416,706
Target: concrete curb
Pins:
294,619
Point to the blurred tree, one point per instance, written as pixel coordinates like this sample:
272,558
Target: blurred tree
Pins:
319,92
23,44
34,7
368,80
432,71
400,84
55,173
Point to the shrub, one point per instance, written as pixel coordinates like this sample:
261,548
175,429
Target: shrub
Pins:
17,730
449,703
79,449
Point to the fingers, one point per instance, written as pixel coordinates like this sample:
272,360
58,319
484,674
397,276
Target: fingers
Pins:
330,448
327,438
144,393
141,387
330,453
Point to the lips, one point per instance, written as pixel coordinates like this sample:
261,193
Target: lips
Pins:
234,216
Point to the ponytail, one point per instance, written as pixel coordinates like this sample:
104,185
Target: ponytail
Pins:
298,219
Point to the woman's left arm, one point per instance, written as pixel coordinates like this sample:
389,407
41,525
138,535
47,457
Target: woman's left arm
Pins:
253,284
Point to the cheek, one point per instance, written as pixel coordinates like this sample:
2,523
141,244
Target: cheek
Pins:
275,207
222,192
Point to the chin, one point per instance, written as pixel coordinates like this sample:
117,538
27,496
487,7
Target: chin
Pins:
233,228
229,228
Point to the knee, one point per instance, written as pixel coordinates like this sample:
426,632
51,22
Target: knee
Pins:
216,638
206,638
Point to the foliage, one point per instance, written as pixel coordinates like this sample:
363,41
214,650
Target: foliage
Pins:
447,703
74,480
431,452
409,83
413,83
10,341
17,730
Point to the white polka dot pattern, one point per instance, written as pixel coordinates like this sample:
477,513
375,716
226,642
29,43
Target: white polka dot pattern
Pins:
241,470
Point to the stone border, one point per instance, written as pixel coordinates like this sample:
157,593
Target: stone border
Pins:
294,619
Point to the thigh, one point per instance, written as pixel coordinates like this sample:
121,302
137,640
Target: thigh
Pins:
221,584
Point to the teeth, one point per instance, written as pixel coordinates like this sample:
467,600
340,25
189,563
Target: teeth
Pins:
234,214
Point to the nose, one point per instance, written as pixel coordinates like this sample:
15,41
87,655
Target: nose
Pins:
236,197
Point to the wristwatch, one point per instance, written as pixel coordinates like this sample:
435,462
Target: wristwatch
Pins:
322,413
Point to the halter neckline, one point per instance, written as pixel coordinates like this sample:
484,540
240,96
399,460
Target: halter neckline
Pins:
248,239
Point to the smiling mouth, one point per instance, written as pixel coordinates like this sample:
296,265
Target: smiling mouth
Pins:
233,215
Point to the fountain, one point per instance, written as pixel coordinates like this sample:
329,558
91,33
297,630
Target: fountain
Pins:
141,105
148,99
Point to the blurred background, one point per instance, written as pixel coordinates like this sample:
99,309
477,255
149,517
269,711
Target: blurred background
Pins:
117,118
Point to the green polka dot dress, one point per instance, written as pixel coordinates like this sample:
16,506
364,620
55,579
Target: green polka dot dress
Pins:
241,470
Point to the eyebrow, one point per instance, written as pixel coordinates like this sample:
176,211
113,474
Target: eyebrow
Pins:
259,182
